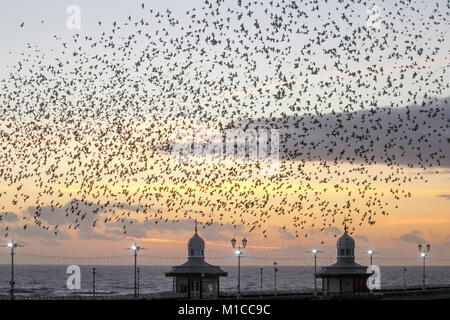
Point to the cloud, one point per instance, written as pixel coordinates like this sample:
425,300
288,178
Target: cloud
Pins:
285,234
333,230
445,196
418,221
8,217
35,231
412,237
53,243
87,232
225,232
367,138
361,238
78,210
436,172
151,227
368,132
83,214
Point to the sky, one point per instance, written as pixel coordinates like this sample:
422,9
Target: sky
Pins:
421,214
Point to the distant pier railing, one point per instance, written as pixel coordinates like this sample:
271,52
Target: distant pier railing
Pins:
300,260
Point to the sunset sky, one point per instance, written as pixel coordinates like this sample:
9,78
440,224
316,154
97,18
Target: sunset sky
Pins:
421,214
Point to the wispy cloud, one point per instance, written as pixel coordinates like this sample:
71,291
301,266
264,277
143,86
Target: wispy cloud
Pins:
412,237
417,221
361,238
8,217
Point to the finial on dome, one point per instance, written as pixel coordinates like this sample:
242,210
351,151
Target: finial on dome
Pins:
195,225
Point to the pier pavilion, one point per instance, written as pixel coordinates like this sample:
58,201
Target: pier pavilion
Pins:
196,278
345,276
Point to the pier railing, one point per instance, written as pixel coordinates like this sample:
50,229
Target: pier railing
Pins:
250,260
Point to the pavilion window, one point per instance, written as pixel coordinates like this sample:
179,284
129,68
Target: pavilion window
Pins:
196,252
208,286
195,286
182,285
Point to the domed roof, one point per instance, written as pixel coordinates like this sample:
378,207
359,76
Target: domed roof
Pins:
196,242
345,241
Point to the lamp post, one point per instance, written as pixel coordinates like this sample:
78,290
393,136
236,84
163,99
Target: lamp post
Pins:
315,252
261,288
370,252
93,283
423,253
404,277
136,248
11,245
138,281
275,270
239,252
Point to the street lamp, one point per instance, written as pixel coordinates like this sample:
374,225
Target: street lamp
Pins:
315,252
275,270
371,252
11,245
423,253
136,248
239,254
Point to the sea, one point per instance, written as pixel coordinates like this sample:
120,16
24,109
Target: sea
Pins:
51,280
